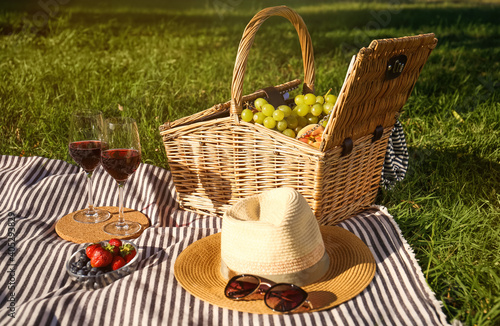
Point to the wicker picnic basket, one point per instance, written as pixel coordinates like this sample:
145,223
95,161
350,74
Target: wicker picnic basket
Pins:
217,159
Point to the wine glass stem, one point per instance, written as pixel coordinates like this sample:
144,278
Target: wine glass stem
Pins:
90,209
121,219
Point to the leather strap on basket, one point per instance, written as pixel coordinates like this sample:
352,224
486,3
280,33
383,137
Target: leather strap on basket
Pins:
247,41
274,96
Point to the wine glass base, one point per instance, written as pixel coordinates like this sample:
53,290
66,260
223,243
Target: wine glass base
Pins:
99,216
122,229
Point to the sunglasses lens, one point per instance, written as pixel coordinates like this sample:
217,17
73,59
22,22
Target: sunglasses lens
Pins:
285,297
241,286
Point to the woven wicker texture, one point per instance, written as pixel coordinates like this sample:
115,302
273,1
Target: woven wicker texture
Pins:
247,41
368,99
216,159
352,268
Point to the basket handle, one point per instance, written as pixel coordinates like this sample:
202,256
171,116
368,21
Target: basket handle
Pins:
247,41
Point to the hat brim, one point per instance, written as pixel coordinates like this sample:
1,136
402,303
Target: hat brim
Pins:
352,268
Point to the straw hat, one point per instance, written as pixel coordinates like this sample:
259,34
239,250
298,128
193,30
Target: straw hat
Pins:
275,235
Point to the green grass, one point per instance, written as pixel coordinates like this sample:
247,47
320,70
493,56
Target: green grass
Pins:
161,62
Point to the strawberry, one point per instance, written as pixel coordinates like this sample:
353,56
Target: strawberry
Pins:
128,252
89,251
130,256
115,242
118,262
101,258
112,249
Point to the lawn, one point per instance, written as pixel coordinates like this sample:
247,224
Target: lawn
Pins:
157,62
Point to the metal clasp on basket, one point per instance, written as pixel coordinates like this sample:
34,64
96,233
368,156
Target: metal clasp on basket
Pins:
395,66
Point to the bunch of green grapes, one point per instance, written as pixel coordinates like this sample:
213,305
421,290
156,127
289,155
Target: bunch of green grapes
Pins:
308,109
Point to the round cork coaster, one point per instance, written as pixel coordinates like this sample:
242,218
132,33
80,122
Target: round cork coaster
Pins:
71,230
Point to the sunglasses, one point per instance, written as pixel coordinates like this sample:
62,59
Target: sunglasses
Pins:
281,297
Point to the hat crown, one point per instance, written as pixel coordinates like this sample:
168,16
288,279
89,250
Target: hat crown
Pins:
273,233
277,207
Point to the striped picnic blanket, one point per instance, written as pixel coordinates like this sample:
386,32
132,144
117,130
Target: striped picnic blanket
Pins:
36,192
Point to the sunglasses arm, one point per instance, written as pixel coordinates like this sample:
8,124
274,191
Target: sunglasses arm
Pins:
307,305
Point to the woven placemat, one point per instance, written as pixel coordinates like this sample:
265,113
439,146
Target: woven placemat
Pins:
68,229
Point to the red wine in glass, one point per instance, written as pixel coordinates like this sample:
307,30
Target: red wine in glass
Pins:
85,148
87,153
120,157
120,163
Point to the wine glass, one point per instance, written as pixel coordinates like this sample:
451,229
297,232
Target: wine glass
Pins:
85,149
120,157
